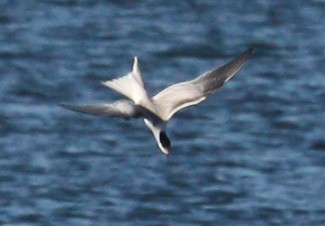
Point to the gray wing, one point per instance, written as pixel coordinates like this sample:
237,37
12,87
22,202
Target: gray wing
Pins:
181,95
121,108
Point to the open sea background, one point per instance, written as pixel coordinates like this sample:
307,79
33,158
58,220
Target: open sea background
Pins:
253,154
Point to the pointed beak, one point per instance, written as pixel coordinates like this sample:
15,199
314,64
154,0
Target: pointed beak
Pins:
165,151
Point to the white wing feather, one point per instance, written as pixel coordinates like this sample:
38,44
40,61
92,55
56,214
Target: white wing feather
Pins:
121,108
184,94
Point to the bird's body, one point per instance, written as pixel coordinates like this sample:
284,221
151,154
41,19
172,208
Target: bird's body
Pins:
157,110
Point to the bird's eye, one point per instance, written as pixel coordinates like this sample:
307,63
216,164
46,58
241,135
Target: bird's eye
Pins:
164,140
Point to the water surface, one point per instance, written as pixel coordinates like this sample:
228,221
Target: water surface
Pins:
253,154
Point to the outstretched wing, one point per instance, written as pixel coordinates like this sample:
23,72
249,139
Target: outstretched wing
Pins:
184,94
121,108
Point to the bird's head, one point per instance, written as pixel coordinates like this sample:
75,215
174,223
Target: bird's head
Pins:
164,143
161,138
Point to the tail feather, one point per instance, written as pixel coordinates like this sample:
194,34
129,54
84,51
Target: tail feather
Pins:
130,85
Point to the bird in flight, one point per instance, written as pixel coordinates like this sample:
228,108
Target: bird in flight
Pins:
157,110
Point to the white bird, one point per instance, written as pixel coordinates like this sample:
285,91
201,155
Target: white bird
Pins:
157,110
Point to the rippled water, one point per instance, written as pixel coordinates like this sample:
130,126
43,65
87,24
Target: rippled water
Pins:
253,154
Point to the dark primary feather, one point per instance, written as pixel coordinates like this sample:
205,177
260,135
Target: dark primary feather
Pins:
184,94
122,108
212,80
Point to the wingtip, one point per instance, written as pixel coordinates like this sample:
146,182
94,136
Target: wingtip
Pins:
247,53
250,50
64,105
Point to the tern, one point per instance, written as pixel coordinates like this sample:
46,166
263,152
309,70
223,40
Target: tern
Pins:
158,109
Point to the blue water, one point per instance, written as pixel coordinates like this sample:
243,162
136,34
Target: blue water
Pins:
253,154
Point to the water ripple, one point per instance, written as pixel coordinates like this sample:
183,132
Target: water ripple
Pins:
253,154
